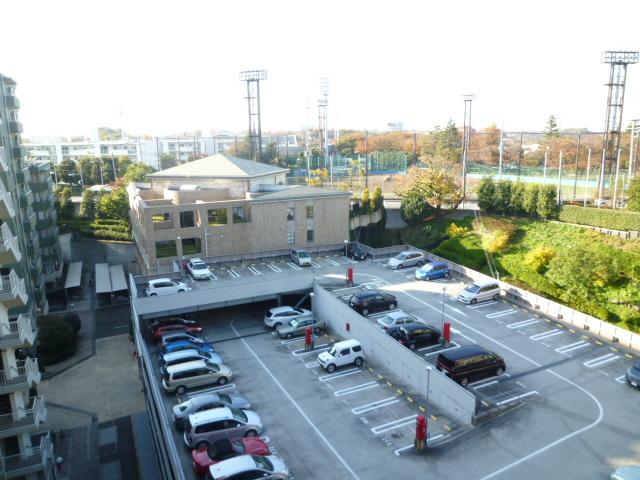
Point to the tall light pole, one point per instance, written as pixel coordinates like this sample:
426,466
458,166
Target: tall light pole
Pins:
444,290
429,368
253,78
467,135
586,181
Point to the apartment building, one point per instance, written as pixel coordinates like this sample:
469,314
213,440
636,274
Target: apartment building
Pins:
26,450
222,205
56,152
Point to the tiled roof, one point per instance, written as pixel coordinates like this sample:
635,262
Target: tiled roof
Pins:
219,166
300,191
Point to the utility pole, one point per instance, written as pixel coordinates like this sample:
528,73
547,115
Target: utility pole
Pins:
546,160
559,194
467,135
575,180
366,159
586,182
615,186
500,151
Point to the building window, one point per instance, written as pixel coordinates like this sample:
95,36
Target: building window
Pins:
217,216
291,237
309,235
187,219
309,211
104,149
166,248
191,246
290,214
240,215
161,217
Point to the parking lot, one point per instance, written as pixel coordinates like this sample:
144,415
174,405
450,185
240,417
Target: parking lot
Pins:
568,389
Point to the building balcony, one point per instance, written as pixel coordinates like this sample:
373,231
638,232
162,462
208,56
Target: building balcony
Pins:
25,420
18,152
29,222
3,160
12,290
12,102
26,196
34,460
7,211
9,248
21,377
15,127
19,333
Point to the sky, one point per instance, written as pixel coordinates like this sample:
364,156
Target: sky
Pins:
161,67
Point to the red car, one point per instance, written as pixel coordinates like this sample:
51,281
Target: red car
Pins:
222,449
176,328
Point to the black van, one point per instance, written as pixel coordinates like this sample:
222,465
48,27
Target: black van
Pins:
470,362
414,335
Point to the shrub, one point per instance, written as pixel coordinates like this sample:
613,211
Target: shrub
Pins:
538,258
600,217
530,198
56,340
73,319
455,231
413,209
495,233
486,194
364,200
457,252
547,201
376,199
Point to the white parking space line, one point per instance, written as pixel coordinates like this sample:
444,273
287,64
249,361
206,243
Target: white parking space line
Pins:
349,260
367,407
316,265
332,262
545,335
401,422
345,373
431,347
356,389
255,271
213,276
596,362
482,305
438,351
621,379
479,384
233,273
501,313
292,340
398,451
311,364
319,348
274,268
523,323
517,397
572,346
458,332
196,393
293,266
457,310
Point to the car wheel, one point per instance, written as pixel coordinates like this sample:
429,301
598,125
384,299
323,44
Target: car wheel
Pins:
400,266
222,380
392,306
473,301
420,263
288,335
181,290
464,382
317,330
251,433
365,311
358,362
495,297
277,325
447,275
153,294
331,368
499,371
201,445
180,390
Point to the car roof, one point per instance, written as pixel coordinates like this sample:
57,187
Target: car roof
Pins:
190,352
281,309
397,314
404,252
177,333
347,343
157,280
484,283
417,326
367,293
436,262
183,342
196,260
204,398
232,466
463,352
208,415
186,366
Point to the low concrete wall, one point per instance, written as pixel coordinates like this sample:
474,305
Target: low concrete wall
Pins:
381,349
624,234
364,220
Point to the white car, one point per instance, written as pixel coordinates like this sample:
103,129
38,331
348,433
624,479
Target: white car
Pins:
250,466
281,315
166,286
198,269
408,258
395,318
347,352
301,257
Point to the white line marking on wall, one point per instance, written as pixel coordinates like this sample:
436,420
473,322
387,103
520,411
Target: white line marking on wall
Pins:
356,389
367,407
401,422
524,323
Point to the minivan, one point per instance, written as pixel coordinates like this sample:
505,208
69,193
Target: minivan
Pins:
204,428
177,378
413,335
342,353
171,337
190,355
470,362
480,291
298,326
301,257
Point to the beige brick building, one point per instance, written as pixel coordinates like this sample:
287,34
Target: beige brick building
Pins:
222,205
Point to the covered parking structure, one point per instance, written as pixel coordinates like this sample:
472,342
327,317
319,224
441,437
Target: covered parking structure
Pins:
110,282
73,281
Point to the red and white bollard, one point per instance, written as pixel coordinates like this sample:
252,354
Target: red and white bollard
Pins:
350,276
446,334
308,339
421,432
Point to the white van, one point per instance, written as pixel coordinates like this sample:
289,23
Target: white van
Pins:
480,291
177,378
342,353
301,257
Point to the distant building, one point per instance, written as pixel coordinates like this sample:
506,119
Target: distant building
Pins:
222,205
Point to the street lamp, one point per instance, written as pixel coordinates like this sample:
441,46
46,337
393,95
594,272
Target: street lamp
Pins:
429,368
444,289
346,243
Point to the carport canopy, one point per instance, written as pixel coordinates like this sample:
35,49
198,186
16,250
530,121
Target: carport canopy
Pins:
74,275
118,281
103,279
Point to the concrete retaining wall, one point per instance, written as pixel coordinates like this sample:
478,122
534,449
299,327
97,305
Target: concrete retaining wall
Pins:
381,349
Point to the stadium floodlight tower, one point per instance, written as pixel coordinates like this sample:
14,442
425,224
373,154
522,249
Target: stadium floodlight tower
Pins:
253,77
323,105
465,140
615,101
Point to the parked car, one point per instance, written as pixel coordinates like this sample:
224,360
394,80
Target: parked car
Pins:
166,286
392,319
433,270
628,472
408,258
281,315
633,375
159,323
198,269
179,378
207,401
187,345
301,257
224,449
356,252
204,428
171,337
188,355
414,335
250,467
370,300
480,291
347,352
470,362
298,326
171,328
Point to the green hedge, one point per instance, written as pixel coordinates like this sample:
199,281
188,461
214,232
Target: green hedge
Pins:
57,339
600,217
459,251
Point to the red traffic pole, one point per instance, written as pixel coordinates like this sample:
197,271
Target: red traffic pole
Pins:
308,338
447,333
421,432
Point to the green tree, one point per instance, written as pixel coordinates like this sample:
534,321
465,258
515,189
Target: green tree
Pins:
67,171
530,199
376,199
114,205
503,196
634,195
167,161
63,203
446,144
413,209
486,194
88,205
122,165
318,177
551,129
516,204
364,200
547,201
137,172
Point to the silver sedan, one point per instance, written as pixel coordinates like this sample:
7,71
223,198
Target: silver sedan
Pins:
207,401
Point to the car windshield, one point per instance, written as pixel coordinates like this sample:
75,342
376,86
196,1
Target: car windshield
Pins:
427,267
263,463
294,323
334,351
387,320
239,447
297,310
303,255
214,367
400,256
473,288
199,266
224,398
239,415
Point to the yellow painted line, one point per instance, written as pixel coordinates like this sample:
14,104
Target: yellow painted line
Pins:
381,377
537,315
433,417
598,342
559,326
572,331
371,369
613,349
628,356
389,383
547,320
447,427
422,409
409,399
400,392
586,336
485,403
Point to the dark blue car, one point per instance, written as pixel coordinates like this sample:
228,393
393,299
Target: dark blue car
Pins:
433,270
187,344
